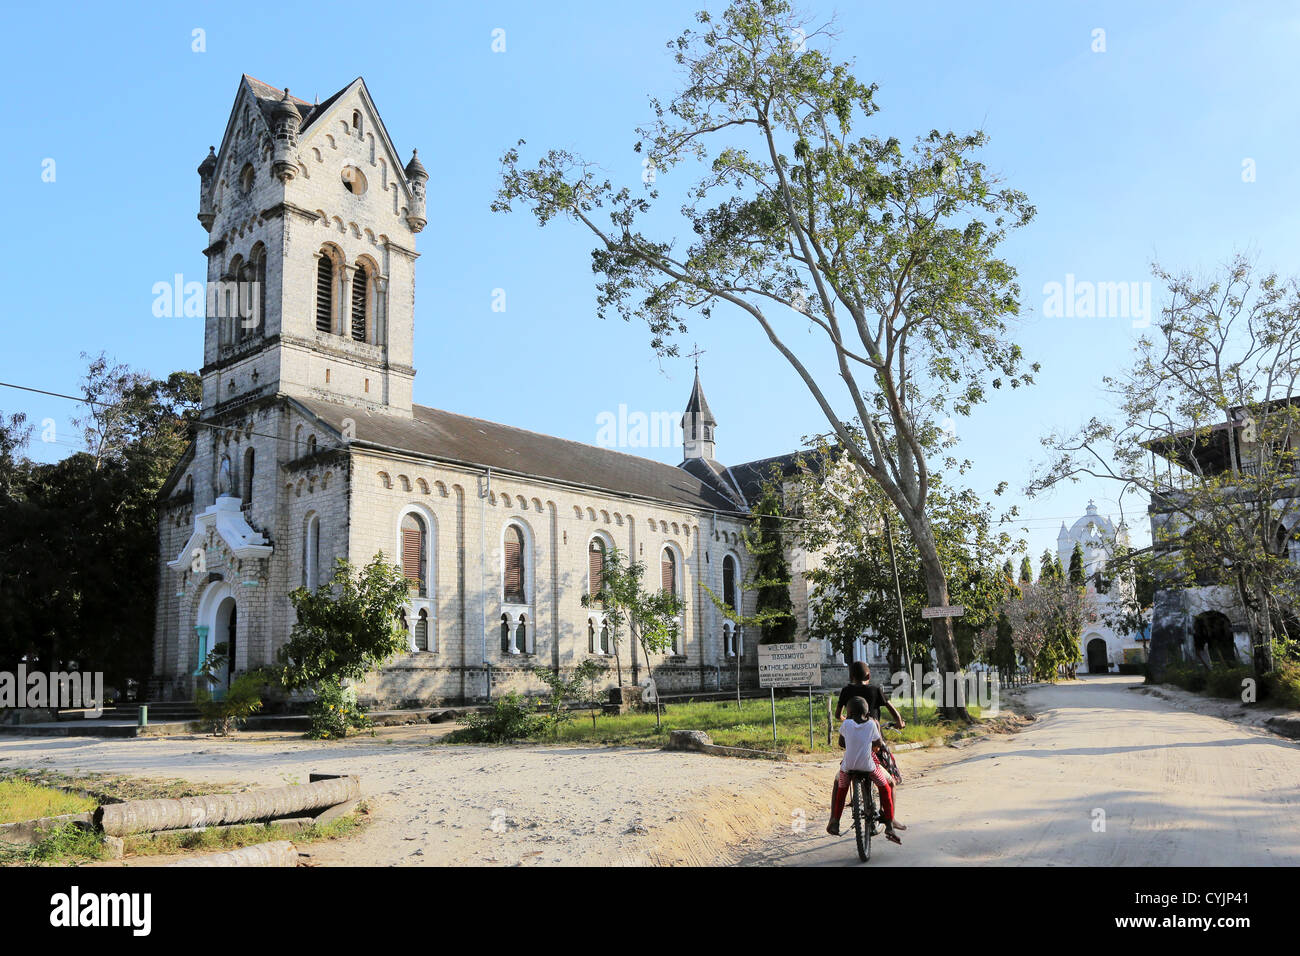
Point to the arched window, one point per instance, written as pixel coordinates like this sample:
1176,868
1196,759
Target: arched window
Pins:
415,553
297,442
311,553
513,567
729,582
521,635
604,643
669,585
596,567
668,572
422,630
311,444
506,643
249,459
360,283
325,293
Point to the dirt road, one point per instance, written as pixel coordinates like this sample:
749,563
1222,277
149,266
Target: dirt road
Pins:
1172,788
1176,787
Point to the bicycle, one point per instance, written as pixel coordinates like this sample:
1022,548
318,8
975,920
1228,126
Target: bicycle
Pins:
863,801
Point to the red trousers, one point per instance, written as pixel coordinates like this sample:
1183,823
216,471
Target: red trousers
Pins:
884,786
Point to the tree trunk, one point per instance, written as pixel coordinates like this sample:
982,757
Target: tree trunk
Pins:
147,816
279,853
936,587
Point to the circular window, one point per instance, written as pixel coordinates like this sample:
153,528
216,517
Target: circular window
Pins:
354,180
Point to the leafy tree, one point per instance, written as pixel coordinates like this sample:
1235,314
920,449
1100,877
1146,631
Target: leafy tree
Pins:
1076,576
1026,571
651,617
345,629
771,577
854,585
1212,392
69,529
578,685
801,225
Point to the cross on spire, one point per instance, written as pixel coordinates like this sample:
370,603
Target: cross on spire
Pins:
695,354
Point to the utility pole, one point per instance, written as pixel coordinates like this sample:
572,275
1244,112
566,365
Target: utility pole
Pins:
902,621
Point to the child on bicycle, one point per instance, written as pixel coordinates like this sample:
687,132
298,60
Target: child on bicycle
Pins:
860,736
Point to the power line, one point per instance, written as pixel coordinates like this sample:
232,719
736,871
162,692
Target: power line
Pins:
83,400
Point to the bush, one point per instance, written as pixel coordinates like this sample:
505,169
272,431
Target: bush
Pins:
1225,680
512,717
335,711
1282,687
242,699
1187,676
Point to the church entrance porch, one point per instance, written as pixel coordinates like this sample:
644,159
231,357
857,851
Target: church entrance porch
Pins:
216,630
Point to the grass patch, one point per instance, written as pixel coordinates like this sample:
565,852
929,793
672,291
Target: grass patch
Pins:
111,787
71,845
25,800
749,725
218,840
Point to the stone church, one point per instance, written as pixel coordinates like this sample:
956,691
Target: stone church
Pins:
1101,647
311,448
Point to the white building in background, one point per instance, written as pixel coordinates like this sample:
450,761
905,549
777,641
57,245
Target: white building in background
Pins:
1101,648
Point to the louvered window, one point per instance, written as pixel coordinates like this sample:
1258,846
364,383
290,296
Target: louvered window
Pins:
596,567
668,573
513,576
729,582
413,553
359,286
325,294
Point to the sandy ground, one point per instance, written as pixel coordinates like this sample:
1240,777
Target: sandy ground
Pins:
1173,786
529,805
1176,787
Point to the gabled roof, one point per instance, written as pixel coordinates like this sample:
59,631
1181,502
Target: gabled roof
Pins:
460,439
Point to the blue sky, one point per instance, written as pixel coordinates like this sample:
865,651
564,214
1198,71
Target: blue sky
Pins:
1130,155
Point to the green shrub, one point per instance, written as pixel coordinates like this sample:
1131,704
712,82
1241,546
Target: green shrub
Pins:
335,711
242,699
1225,680
512,717
1188,676
1282,687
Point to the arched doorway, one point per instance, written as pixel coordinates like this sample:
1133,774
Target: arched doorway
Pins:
1098,660
216,626
1212,638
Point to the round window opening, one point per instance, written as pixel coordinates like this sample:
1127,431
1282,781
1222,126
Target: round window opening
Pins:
354,180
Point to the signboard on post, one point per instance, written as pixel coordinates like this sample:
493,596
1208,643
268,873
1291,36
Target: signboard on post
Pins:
790,665
951,610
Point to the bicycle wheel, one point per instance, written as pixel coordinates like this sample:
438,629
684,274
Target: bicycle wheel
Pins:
862,815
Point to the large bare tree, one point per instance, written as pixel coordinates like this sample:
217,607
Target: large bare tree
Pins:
798,223
1207,431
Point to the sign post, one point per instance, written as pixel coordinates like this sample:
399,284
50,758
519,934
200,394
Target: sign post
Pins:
810,720
790,665
947,610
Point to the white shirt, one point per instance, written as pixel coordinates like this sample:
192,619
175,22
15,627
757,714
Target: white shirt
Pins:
858,739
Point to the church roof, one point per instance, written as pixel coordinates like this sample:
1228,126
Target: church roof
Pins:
269,98
461,439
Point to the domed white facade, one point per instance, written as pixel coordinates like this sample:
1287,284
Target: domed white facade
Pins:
1101,648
